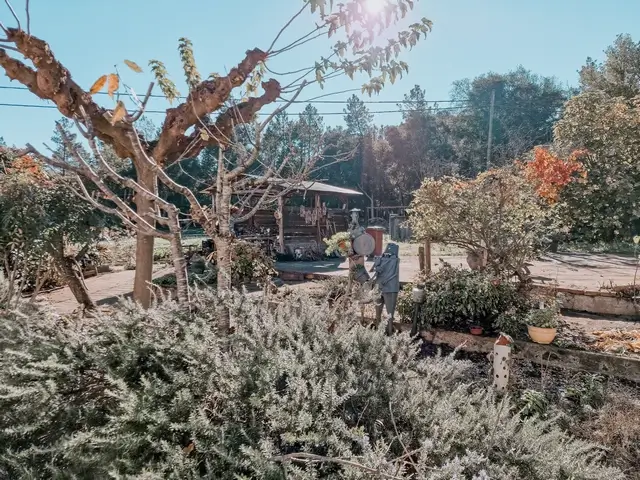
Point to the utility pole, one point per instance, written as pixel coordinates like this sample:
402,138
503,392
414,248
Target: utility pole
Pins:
490,139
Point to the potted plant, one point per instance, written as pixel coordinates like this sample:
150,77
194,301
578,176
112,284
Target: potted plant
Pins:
542,324
339,244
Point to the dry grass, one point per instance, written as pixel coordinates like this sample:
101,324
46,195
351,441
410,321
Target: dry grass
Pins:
617,427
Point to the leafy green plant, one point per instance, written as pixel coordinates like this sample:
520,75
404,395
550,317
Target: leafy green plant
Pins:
512,322
159,393
589,392
543,318
533,403
40,218
456,298
338,244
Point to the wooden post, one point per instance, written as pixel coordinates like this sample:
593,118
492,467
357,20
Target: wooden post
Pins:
281,224
427,256
318,209
421,257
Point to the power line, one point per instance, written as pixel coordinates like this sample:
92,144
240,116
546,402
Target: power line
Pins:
311,100
375,112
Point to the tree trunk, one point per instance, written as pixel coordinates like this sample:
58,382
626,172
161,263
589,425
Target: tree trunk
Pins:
223,261
179,262
144,243
69,268
223,242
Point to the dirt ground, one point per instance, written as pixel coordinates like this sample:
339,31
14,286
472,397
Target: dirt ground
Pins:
572,270
589,271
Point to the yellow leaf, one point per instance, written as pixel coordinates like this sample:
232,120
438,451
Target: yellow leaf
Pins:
204,135
133,66
118,113
114,83
98,85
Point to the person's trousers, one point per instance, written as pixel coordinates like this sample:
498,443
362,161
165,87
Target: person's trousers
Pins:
388,301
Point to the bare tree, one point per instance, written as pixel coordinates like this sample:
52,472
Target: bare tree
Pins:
191,126
249,192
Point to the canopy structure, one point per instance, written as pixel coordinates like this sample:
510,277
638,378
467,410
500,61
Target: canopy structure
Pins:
297,187
322,221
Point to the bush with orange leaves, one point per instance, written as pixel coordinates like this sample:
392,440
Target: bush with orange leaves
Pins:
550,174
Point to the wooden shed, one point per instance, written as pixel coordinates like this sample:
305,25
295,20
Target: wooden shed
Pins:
298,219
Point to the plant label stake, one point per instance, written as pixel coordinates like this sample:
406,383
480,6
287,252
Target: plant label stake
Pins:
501,357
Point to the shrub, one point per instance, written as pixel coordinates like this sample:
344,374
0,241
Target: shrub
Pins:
617,425
249,262
160,394
499,213
457,298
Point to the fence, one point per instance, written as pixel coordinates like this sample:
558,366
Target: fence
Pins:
399,228
394,219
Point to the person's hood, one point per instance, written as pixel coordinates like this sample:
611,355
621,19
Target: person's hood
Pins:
392,250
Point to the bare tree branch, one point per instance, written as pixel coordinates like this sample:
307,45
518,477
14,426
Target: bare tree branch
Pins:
84,195
256,207
201,214
256,151
143,106
270,49
13,12
26,8
86,171
206,98
301,41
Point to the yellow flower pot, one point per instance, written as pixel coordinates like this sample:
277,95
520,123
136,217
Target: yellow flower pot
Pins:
543,336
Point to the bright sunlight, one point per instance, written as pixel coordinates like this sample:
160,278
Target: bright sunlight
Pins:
374,6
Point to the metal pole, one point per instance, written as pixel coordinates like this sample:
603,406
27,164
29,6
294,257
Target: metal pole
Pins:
490,139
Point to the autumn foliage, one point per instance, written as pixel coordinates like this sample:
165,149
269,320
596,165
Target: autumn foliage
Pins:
27,165
550,174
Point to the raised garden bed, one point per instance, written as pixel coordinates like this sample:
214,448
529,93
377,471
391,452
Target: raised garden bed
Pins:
576,300
550,355
594,301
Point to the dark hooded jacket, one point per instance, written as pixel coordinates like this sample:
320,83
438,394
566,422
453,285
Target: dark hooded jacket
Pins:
387,270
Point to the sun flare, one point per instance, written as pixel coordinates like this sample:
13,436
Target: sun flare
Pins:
374,6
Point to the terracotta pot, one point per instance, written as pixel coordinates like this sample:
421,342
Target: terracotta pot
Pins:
543,336
475,330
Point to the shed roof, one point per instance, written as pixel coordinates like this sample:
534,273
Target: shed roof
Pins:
306,185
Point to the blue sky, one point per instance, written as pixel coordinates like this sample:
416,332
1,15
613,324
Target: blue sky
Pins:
470,37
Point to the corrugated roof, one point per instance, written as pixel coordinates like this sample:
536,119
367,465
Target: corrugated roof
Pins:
320,187
308,185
